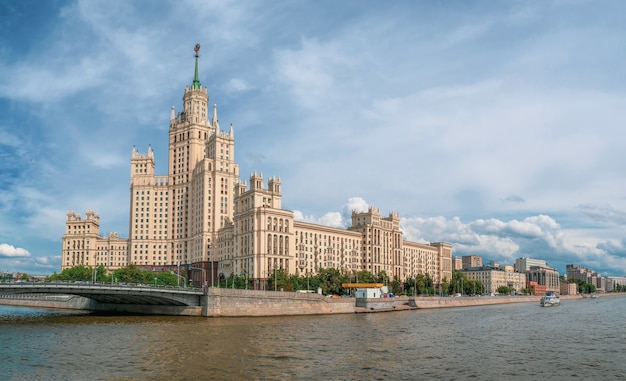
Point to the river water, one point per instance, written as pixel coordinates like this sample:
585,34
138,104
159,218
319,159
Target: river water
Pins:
582,339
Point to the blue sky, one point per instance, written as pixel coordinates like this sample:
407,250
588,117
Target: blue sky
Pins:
496,126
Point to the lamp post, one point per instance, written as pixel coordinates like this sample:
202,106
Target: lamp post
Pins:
301,266
212,248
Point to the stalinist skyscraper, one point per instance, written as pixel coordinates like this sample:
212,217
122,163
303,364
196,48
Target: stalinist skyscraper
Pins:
201,217
174,218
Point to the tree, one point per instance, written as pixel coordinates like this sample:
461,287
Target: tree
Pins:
396,286
420,284
503,290
74,274
365,277
330,281
445,286
279,280
131,274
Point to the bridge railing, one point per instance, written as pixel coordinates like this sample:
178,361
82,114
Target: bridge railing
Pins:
90,285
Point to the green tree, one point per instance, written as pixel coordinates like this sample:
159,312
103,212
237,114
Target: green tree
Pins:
396,286
420,284
445,286
503,290
132,274
330,281
279,280
73,274
365,277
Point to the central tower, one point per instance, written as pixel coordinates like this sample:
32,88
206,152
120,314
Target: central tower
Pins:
197,190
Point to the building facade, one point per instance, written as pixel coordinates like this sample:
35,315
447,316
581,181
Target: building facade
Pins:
586,275
203,217
494,277
524,264
544,276
471,261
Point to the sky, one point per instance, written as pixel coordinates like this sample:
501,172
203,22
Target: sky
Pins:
495,126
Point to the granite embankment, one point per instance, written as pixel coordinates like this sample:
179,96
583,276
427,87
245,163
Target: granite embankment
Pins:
224,302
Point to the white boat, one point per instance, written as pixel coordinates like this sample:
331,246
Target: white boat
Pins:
550,300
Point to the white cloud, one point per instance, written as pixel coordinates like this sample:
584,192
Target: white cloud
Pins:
9,251
237,85
332,219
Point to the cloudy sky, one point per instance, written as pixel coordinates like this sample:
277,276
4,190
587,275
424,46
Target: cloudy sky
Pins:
496,126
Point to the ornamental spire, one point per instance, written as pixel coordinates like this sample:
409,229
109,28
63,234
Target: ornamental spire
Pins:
196,81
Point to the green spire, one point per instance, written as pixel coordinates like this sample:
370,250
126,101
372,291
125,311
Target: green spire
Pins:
196,81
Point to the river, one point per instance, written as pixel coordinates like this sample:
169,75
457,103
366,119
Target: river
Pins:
582,339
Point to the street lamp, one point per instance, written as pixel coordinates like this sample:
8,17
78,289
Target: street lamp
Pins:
212,248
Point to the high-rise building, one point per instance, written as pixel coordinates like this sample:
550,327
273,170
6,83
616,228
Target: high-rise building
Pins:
471,261
203,217
524,264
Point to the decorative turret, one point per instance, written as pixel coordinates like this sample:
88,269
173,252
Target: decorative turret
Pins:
141,164
256,181
215,122
274,185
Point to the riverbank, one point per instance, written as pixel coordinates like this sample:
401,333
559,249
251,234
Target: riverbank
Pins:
246,303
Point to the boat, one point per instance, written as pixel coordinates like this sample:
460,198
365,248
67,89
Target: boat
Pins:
550,299
594,295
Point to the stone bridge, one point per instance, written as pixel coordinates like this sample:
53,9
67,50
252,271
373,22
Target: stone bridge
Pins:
118,297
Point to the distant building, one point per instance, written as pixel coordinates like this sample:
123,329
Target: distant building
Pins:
494,277
613,281
471,261
586,275
458,263
568,288
524,264
536,289
544,276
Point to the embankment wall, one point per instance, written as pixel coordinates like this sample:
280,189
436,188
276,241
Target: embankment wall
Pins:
228,302
240,303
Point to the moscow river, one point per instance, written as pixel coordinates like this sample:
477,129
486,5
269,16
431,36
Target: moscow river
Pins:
582,339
